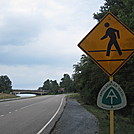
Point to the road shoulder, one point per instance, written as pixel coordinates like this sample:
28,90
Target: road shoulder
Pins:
76,120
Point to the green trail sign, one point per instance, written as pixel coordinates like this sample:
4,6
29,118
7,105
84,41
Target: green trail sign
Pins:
111,97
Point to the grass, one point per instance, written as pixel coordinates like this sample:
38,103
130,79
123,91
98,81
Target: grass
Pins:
6,96
122,125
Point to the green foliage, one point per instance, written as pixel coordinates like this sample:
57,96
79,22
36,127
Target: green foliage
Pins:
89,78
50,85
123,9
67,83
125,77
5,84
54,86
122,125
46,85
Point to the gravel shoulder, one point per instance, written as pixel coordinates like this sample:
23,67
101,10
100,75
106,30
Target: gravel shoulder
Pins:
76,120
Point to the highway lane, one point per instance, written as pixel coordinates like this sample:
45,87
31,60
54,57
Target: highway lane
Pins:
29,116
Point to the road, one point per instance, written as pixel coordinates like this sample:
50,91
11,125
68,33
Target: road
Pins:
30,116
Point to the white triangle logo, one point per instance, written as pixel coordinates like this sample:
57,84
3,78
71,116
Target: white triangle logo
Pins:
111,97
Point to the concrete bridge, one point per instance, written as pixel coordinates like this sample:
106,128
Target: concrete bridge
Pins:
37,92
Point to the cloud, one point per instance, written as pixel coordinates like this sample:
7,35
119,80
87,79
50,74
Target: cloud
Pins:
38,38
32,77
18,28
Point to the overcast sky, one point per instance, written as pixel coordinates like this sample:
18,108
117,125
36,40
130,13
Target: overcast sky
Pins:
38,38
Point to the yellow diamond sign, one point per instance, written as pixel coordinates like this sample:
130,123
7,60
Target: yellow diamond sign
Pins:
109,44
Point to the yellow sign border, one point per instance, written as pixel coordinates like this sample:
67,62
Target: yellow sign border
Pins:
110,74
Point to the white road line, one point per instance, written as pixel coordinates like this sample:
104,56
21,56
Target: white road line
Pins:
30,105
25,107
52,117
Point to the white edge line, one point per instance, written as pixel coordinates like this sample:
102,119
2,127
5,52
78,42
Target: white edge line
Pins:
51,118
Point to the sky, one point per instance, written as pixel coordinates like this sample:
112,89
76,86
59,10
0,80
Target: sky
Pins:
39,38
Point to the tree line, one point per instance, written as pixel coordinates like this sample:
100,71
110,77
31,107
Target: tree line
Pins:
89,78
65,86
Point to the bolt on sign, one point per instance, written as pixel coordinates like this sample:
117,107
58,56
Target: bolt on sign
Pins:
111,97
109,44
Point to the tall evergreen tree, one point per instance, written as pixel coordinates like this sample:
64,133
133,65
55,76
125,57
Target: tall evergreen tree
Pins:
51,86
54,86
123,9
46,85
66,83
5,84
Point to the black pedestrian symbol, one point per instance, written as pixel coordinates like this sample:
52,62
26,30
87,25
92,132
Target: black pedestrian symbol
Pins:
111,32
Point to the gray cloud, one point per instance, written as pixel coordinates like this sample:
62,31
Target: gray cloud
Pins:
19,30
38,39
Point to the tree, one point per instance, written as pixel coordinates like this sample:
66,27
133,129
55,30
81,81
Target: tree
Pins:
89,79
5,84
54,87
51,86
46,85
66,83
124,10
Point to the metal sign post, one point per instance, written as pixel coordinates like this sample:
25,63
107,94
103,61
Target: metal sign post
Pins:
110,55
111,121
111,115
111,97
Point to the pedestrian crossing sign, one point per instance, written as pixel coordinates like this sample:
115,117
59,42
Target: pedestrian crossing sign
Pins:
111,97
109,44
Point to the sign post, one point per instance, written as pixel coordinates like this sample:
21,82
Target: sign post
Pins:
111,121
111,115
109,44
111,97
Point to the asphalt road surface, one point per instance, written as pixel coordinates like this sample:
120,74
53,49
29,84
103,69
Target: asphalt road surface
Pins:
30,116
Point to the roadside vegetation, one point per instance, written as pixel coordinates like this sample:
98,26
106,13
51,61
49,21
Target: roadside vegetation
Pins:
123,125
65,86
5,87
89,78
5,84
6,96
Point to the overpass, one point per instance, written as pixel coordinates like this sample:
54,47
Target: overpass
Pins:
37,92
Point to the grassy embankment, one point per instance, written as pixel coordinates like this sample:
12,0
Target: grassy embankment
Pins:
6,96
123,125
